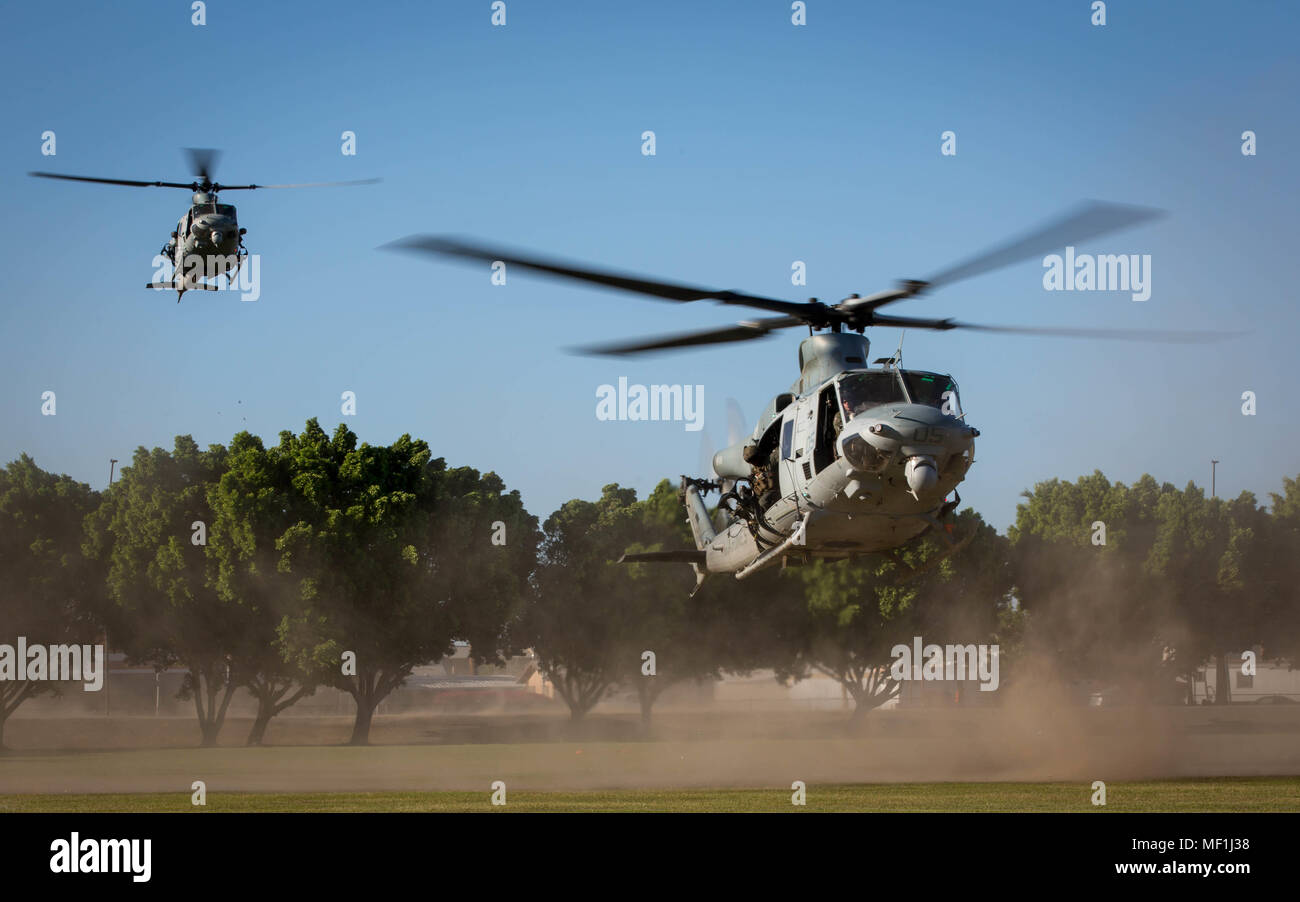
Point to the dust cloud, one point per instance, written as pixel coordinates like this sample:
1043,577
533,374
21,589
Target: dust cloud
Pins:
1035,735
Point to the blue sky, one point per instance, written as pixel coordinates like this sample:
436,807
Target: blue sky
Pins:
775,143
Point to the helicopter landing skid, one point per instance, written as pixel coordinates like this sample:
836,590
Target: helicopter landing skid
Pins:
181,289
233,275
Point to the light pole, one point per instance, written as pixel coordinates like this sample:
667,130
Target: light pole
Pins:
108,698
1222,688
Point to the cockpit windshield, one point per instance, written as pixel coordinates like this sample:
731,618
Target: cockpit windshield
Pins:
930,388
219,209
862,391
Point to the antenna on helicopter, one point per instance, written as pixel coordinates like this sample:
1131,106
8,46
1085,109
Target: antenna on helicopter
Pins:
898,355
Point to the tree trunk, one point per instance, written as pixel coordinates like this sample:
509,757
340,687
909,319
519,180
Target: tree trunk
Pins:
269,694
368,689
264,715
361,726
205,738
864,701
211,719
11,696
647,694
647,701
581,692
365,693
870,689
1222,685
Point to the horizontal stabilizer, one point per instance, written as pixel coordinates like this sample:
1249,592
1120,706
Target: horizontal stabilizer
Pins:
684,556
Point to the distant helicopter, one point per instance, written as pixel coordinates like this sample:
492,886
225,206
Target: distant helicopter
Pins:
208,242
853,459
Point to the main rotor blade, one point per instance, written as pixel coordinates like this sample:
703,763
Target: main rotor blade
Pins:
1089,220
454,247
1157,335
203,160
1171,336
746,331
300,185
128,182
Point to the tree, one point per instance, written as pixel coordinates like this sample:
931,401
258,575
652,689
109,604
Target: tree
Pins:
252,505
576,617
1279,609
49,591
659,616
593,620
149,532
1092,611
1138,584
1211,560
857,611
391,556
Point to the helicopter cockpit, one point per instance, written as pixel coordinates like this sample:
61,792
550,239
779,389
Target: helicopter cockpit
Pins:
932,390
210,207
862,390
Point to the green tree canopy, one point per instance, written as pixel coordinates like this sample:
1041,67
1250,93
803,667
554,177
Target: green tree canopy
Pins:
149,531
390,557
49,592
1134,584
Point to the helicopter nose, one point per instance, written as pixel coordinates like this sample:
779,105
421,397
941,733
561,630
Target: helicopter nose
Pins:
922,473
215,227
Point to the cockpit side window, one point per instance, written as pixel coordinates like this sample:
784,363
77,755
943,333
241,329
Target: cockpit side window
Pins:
829,423
863,391
787,437
933,390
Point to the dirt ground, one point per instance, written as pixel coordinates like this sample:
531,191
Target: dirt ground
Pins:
685,748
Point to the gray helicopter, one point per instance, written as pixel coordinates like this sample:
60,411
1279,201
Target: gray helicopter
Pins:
854,458
208,242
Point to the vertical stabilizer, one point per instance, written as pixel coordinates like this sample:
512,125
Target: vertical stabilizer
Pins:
697,514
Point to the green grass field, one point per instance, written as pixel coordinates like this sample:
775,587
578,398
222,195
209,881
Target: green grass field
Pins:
1218,794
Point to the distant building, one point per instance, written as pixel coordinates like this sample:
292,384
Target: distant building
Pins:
1271,678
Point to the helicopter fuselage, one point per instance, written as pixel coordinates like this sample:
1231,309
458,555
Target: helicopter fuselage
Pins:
208,241
857,463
